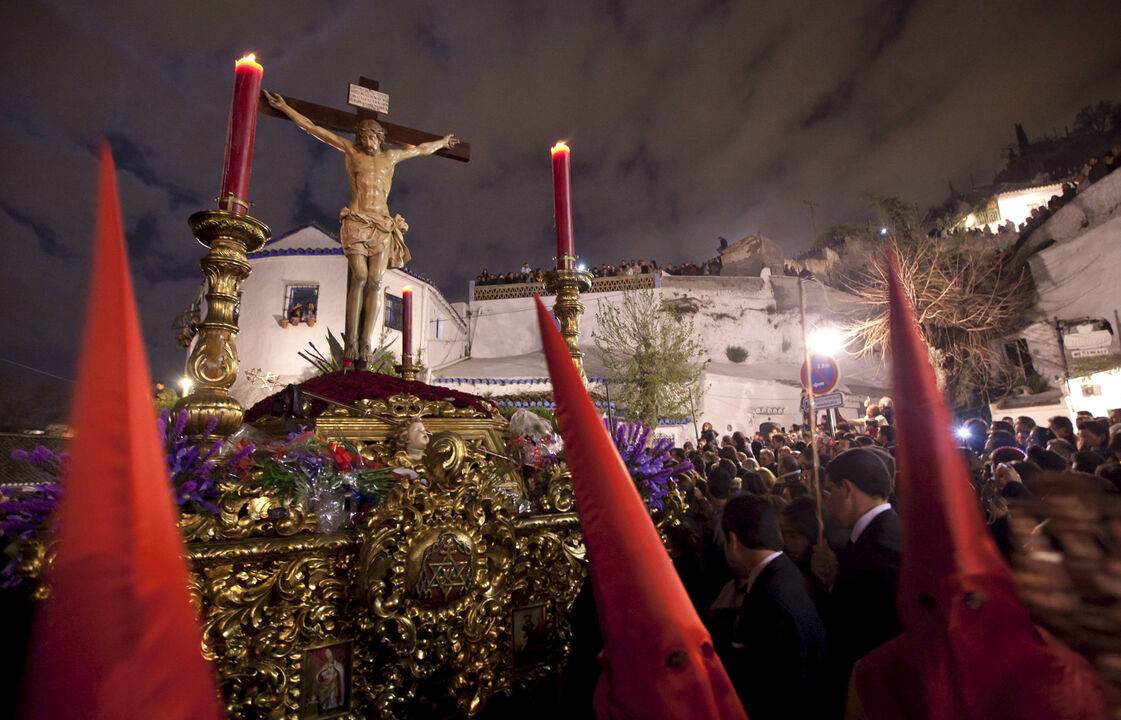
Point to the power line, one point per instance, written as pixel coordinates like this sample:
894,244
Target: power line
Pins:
36,370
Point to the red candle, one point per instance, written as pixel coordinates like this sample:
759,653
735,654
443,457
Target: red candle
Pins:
406,326
562,207
239,136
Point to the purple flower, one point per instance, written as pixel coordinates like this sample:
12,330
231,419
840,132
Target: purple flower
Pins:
193,473
650,465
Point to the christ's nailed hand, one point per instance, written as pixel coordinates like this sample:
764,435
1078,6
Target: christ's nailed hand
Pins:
276,100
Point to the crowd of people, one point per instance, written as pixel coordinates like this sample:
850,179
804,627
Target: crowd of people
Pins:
625,268
708,267
1094,169
529,274
793,602
525,275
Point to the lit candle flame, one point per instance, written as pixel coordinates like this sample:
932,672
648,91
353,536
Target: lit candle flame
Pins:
561,146
250,59
407,289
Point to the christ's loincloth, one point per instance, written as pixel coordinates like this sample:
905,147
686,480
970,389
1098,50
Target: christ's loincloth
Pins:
366,235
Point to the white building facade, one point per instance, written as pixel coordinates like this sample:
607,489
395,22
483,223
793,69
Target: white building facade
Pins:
492,347
1075,259
307,266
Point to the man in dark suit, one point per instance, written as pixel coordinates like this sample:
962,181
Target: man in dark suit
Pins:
775,648
861,612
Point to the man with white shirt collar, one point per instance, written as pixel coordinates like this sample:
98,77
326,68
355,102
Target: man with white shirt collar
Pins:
775,647
860,614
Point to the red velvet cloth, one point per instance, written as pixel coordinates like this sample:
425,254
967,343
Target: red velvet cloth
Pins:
118,637
969,648
350,386
645,615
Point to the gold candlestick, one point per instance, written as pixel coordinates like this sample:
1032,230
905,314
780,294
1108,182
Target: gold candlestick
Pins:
567,285
213,364
409,367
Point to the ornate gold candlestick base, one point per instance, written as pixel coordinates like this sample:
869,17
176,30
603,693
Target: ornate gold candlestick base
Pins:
408,369
567,285
213,365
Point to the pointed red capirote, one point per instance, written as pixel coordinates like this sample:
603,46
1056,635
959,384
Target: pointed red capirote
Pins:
968,648
658,660
118,637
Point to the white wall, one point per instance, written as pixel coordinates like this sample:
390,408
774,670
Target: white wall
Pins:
262,343
733,311
741,311
1018,204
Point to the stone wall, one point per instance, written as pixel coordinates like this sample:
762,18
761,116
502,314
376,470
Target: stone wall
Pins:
750,255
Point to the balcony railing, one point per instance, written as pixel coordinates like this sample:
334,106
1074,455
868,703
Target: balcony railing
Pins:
599,285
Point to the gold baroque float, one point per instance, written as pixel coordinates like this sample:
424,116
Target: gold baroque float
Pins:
424,609
439,600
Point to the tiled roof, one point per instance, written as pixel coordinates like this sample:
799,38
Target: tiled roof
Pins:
293,251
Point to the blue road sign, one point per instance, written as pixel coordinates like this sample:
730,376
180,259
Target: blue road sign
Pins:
826,374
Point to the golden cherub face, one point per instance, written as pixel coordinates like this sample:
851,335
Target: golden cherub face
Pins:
417,435
413,438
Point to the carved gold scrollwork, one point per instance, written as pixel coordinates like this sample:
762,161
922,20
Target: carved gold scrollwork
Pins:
448,453
568,284
213,364
433,570
247,512
216,360
262,602
400,407
558,492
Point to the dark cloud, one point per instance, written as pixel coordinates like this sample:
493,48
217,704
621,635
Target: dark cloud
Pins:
883,24
687,120
131,158
40,230
833,103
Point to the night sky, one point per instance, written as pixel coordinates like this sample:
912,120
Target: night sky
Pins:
687,121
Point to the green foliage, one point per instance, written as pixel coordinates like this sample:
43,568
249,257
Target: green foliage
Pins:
307,463
1098,118
736,353
836,234
1084,367
164,398
653,355
384,361
329,363
1037,383
682,306
508,411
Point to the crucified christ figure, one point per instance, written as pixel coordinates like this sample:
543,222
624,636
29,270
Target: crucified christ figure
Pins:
372,239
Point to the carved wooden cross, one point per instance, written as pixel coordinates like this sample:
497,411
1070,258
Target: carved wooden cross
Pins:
343,121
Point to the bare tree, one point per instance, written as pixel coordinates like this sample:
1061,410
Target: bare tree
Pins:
654,356
964,304
965,300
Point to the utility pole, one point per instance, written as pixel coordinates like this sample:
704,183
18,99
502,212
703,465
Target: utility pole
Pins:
812,204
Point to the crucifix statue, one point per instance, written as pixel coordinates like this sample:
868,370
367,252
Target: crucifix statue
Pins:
372,239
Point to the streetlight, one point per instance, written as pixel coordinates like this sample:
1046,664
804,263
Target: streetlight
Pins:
826,341
185,386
